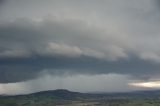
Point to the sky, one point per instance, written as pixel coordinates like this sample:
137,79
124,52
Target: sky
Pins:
79,45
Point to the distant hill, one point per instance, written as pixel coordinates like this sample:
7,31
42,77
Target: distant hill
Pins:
63,94
59,94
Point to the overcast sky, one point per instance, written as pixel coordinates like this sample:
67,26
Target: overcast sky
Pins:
79,45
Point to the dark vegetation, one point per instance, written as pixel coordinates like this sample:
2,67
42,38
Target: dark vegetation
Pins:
68,98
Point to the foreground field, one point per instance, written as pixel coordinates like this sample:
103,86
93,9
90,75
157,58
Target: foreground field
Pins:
67,98
82,103
115,103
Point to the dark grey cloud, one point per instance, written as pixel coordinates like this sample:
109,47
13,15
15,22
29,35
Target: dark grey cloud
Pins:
1,1
30,48
15,70
1,5
104,37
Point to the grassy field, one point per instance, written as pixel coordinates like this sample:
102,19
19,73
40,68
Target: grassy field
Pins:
121,103
12,102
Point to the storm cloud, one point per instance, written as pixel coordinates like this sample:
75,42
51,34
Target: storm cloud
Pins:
79,38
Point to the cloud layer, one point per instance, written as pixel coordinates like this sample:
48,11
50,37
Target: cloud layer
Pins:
79,37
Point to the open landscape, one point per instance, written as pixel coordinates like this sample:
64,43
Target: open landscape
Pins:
79,52
68,98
